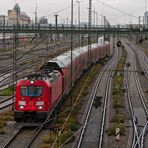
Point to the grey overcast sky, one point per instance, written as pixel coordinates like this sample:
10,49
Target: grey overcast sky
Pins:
116,11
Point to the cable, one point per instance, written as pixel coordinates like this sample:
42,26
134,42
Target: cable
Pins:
125,15
63,9
121,11
89,122
59,133
32,48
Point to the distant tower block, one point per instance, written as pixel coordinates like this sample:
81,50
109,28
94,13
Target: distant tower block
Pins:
146,19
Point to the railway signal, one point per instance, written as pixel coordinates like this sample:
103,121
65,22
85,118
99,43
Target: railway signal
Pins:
119,43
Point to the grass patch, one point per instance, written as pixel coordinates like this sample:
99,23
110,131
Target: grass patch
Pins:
47,139
7,92
45,146
4,117
118,118
117,102
2,131
73,125
112,130
66,137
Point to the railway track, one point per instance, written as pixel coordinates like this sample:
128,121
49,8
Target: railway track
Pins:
143,60
94,114
23,136
6,103
137,103
5,80
4,72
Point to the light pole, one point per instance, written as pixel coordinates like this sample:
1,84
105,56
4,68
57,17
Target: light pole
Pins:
104,26
71,48
56,25
94,12
36,19
78,13
36,9
67,21
79,18
94,16
89,29
4,33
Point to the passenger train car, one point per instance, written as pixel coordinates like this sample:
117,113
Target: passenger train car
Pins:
38,94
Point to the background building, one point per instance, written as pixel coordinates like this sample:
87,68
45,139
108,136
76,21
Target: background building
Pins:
43,20
17,16
3,20
146,19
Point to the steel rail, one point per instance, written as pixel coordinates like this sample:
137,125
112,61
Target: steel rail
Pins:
141,95
13,137
108,85
41,126
135,134
91,104
5,101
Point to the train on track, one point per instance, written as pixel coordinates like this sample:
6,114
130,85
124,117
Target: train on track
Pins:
41,91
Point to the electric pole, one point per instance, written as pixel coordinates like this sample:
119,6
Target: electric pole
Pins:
36,18
56,24
89,28
94,17
78,13
79,19
71,49
56,21
4,32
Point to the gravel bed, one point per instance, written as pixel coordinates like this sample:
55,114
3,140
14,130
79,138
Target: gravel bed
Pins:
10,128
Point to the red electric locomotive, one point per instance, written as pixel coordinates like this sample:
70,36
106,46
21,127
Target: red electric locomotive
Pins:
38,93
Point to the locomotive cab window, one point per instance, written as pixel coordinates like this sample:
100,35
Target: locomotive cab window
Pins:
31,91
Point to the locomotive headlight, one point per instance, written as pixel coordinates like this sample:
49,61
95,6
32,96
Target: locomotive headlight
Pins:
21,107
22,103
32,81
39,103
40,107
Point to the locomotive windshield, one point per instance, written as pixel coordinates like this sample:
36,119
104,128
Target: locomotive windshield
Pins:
31,91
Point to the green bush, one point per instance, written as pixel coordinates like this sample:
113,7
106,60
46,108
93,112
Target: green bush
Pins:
118,118
47,139
112,130
45,146
73,127
65,136
6,92
2,131
117,102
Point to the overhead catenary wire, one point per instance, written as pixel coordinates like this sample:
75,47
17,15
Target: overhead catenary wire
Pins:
75,103
61,10
89,122
32,48
113,18
121,11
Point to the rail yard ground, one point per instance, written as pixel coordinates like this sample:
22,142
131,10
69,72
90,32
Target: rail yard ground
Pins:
64,129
